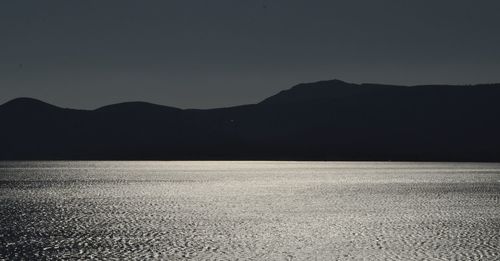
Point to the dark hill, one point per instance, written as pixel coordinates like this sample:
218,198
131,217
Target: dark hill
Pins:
27,105
329,120
317,92
136,107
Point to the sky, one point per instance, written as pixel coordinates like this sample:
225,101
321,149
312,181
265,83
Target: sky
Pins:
206,54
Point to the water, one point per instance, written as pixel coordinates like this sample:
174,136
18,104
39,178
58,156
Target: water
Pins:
249,210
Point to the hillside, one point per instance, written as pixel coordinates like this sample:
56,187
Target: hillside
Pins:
328,120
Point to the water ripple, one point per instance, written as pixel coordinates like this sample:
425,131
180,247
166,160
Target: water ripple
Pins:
249,211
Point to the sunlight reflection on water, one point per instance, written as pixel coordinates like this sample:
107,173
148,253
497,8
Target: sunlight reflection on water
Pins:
249,210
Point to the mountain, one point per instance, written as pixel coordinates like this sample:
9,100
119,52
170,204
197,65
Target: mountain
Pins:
328,120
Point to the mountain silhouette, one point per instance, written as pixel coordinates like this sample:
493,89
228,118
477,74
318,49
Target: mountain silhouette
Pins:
327,120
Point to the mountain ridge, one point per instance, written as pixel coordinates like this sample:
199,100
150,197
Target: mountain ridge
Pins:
326,120
300,86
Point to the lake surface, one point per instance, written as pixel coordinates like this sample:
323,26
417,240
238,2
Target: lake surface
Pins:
249,210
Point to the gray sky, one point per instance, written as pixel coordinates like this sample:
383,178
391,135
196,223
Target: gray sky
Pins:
204,54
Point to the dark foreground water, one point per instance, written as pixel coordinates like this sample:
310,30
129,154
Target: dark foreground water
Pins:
249,211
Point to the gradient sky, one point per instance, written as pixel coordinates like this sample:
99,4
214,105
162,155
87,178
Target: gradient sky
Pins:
204,54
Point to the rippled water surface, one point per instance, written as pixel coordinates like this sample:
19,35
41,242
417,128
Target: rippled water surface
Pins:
249,210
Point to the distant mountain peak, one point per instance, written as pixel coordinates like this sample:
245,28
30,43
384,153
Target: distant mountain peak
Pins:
134,105
28,103
316,91
325,83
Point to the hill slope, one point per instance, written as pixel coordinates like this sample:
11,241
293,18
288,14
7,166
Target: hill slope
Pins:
329,120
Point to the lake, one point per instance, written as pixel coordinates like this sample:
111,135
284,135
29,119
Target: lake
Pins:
249,210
